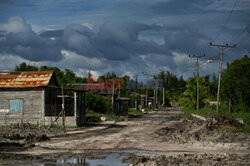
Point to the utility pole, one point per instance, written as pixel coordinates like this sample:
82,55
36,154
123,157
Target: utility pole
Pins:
63,111
147,88
163,96
197,79
222,47
136,84
136,89
156,97
113,91
173,101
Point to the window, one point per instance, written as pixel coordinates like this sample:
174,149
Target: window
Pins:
16,106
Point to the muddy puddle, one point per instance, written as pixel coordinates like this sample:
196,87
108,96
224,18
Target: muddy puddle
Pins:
112,159
107,159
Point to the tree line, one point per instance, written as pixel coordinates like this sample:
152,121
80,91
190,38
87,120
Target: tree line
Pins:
234,90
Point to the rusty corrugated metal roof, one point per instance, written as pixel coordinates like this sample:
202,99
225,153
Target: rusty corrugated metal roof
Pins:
25,79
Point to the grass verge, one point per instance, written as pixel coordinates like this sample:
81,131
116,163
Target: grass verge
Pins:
132,111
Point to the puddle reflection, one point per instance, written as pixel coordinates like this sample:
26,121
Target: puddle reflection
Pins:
110,160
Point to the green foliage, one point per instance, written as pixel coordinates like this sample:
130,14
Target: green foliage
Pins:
132,111
205,111
173,86
189,96
64,78
24,67
235,84
213,86
2,139
148,109
112,116
98,103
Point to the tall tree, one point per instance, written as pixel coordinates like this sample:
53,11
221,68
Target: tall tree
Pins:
236,84
189,96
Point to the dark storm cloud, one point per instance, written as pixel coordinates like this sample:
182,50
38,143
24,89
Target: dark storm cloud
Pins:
175,7
120,42
19,39
112,41
5,2
186,40
30,46
52,33
248,28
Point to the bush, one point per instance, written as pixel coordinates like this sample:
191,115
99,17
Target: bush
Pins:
98,103
235,84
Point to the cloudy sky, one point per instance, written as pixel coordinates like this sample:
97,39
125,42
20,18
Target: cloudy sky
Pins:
124,36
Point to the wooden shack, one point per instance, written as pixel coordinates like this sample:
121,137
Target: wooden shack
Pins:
32,96
122,105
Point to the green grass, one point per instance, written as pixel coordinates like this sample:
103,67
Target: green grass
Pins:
112,116
148,109
2,139
206,112
132,111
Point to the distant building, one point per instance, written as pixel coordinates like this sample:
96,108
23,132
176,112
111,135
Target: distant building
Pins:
122,105
34,97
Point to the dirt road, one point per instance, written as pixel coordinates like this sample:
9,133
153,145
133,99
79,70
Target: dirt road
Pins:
144,141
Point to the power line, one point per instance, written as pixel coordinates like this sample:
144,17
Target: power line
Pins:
227,19
242,32
242,40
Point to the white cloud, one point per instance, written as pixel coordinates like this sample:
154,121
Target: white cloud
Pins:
74,60
142,57
180,57
9,62
90,26
15,24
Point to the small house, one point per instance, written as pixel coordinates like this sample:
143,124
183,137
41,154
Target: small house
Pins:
122,105
33,97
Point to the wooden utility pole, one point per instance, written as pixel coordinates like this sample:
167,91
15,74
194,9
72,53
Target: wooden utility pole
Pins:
63,111
220,69
136,89
197,79
154,94
113,92
163,96
147,88
156,97
173,101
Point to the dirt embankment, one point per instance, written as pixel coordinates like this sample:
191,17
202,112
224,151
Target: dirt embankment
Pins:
190,131
19,137
189,159
211,134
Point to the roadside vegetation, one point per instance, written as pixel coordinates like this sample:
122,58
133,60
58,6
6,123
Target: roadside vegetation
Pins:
235,93
132,111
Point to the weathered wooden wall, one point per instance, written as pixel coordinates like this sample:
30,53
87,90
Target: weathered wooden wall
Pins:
33,103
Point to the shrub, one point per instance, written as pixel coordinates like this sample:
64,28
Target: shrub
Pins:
98,103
